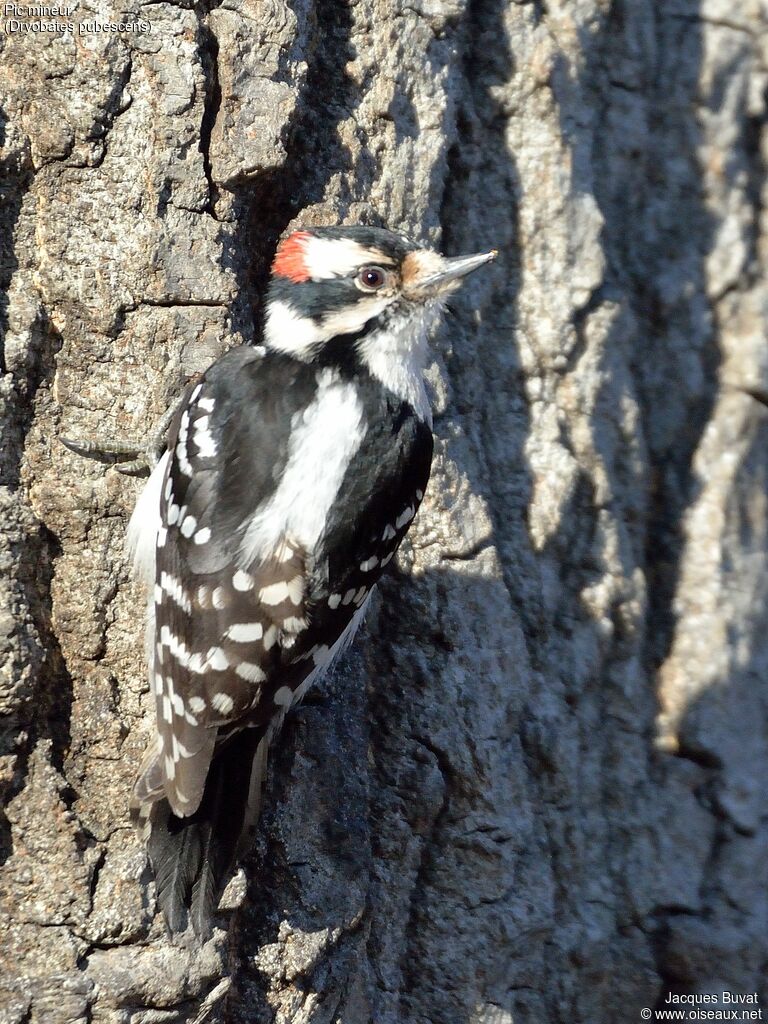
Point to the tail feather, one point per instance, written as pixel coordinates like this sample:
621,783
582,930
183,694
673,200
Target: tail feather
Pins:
192,857
206,887
176,855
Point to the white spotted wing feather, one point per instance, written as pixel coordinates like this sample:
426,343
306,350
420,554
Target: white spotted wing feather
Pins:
230,596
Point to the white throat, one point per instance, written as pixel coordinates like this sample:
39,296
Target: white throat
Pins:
397,357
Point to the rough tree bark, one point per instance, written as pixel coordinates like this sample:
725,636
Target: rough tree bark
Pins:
532,792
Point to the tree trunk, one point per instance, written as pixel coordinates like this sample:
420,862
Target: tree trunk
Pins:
532,792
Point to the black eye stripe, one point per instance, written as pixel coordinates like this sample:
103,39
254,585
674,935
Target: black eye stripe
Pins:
316,299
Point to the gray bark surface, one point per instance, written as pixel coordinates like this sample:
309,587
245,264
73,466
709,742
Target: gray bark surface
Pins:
535,790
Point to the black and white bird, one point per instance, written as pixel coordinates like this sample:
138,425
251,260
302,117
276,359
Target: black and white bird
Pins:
292,472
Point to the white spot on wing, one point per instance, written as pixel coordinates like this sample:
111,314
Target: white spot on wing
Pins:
322,655
222,702
177,648
253,673
405,517
296,589
204,438
188,526
202,536
242,581
175,591
275,593
181,447
243,632
284,697
185,466
368,564
217,659
293,624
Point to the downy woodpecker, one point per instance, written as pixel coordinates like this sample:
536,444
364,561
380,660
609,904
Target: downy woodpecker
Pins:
292,472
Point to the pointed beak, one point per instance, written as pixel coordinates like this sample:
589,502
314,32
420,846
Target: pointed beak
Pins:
442,274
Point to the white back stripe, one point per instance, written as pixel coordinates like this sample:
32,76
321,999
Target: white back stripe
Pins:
320,449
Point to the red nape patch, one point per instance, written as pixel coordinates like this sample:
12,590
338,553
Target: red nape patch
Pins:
289,259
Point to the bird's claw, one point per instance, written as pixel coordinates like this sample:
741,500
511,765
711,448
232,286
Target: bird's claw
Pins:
113,452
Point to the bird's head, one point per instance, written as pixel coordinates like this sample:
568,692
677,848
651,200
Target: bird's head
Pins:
356,292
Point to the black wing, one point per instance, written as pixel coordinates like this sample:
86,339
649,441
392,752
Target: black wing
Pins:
217,626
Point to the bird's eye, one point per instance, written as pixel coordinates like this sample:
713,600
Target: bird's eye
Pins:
370,279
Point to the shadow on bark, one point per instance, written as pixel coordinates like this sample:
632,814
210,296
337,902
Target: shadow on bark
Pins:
658,232
355,779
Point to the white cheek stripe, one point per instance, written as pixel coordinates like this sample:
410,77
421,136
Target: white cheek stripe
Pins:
354,318
286,331
320,449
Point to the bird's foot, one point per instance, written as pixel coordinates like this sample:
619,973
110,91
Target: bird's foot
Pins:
141,458
126,456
